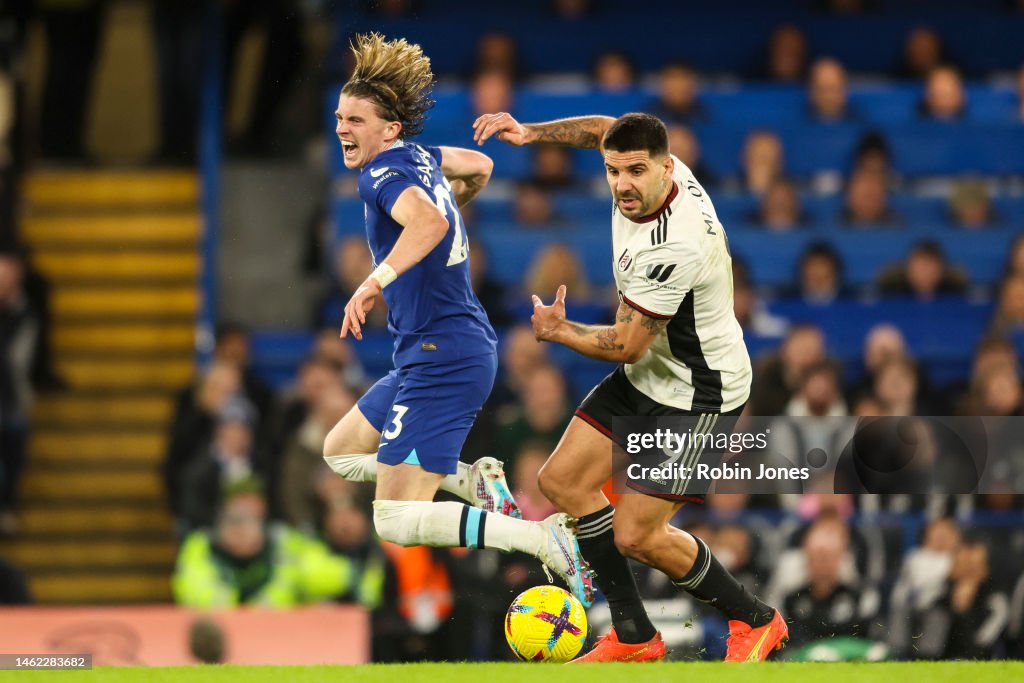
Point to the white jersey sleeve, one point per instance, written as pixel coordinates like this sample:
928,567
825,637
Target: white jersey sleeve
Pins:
663,276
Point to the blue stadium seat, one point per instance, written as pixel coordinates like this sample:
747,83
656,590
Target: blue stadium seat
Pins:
276,354
944,348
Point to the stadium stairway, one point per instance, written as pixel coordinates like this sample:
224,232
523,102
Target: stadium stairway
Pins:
120,251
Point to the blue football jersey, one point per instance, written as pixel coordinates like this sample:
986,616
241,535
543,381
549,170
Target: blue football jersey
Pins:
434,314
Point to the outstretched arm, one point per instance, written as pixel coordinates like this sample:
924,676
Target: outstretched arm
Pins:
583,132
467,170
423,228
624,342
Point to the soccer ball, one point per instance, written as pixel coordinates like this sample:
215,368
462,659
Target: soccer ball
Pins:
546,623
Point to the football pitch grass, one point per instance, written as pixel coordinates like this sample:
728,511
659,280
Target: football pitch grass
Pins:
711,672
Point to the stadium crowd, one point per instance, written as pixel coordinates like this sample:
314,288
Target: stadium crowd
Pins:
263,521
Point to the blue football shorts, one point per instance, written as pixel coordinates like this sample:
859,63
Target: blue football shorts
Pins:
424,411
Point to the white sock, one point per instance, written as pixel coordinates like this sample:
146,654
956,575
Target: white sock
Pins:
364,468
354,467
454,524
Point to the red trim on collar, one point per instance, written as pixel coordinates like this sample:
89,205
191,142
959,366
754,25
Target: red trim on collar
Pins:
656,214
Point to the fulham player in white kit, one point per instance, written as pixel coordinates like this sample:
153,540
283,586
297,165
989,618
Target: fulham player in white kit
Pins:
681,353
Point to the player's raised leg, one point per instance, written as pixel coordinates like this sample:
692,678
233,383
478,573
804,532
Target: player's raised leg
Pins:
572,480
350,449
643,532
437,404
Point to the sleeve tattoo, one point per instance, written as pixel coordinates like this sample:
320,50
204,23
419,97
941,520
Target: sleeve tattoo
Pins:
583,132
605,338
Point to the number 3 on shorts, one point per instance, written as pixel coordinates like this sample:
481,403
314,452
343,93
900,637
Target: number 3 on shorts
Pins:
396,423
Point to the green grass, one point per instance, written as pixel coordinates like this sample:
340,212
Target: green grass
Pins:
903,672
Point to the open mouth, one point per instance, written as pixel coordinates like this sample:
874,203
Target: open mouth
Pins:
626,203
348,149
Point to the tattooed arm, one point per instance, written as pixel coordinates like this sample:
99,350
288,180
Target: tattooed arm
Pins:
583,132
624,342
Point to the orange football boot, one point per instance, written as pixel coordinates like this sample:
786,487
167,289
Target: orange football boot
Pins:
610,649
748,644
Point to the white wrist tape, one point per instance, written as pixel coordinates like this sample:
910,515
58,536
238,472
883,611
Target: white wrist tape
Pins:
384,274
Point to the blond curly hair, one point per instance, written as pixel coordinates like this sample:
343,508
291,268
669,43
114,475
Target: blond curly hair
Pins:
395,75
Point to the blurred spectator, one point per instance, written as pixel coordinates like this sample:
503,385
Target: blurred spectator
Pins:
534,209
944,97
734,546
677,101
922,52
925,275
19,339
827,95
72,34
882,343
762,161
780,209
1009,316
778,377
921,580
613,72
684,144
867,202
994,357
497,52
196,414
233,345
969,204
533,504
227,461
521,354
553,266
542,418
352,265
819,395
827,606
750,310
339,351
348,531
997,391
490,293
315,377
872,155
787,55
302,461
897,388
247,561
821,275
491,92
572,9
552,167
967,620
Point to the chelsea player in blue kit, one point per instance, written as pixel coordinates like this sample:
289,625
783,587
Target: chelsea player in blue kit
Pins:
407,431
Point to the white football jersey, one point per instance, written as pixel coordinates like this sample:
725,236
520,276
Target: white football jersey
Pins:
675,265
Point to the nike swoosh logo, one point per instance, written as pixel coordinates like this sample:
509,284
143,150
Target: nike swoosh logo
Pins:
378,172
754,654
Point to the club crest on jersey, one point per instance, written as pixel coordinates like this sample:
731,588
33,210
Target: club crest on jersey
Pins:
625,261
